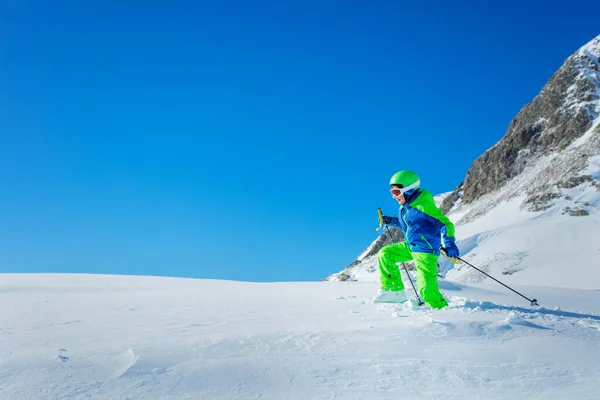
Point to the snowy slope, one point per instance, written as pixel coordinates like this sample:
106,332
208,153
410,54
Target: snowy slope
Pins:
110,337
557,245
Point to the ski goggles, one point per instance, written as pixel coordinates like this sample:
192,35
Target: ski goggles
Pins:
396,192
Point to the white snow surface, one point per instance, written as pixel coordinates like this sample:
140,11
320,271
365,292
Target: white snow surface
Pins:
560,250
123,337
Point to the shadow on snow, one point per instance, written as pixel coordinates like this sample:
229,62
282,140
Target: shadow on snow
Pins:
486,305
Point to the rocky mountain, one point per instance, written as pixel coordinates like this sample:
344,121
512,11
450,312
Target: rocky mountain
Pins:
547,165
565,109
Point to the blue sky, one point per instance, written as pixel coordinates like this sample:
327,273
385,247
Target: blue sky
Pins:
248,140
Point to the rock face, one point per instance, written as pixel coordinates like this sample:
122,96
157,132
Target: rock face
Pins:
562,112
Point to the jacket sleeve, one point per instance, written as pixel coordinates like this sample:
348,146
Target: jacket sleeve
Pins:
427,206
395,222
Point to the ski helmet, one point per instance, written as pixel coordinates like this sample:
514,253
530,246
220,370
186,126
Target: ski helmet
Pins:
406,180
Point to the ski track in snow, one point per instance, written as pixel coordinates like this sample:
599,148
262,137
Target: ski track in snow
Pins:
80,337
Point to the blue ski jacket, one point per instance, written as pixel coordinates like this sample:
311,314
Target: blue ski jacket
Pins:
423,223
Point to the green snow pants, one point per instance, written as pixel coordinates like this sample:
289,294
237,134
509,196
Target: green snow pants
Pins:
426,265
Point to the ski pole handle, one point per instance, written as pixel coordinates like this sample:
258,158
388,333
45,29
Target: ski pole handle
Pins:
452,260
380,218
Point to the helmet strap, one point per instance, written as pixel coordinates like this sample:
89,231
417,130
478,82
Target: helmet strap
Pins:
409,187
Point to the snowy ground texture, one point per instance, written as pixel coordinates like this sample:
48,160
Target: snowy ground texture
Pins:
116,337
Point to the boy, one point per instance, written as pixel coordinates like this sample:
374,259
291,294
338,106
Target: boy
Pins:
423,225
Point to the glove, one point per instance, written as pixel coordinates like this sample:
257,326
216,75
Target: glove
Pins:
451,249
386,220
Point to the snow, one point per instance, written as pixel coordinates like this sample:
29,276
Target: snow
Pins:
591,49
364,253
439,198
367,271
504,214
586,64
587,136
116,337
593,167
560,251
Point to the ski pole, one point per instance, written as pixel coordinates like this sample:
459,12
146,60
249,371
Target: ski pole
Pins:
421,302
531,302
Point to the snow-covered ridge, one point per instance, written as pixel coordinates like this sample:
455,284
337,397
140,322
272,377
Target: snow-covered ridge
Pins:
592,47
586,63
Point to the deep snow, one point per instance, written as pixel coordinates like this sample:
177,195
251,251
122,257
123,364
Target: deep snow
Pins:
117,337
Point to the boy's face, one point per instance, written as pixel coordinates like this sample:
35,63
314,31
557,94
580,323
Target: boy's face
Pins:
397,194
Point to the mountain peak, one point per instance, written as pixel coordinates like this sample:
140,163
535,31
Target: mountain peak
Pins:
592,47
587,66
566,108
